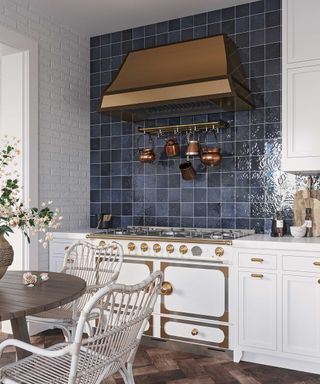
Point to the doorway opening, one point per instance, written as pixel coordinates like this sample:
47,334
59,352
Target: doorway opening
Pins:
19,118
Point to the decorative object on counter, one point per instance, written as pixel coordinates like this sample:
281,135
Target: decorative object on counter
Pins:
31,280
308,198
274,226
13,212
308,223
187,170
298,231
171,147
147,155
104,220
280,224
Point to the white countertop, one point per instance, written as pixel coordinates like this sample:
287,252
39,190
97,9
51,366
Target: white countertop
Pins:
72,233
286,242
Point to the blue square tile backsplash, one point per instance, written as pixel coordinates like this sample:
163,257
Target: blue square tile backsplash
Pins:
244,191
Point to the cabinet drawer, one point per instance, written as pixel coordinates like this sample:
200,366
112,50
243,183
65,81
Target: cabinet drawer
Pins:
301,264
253,260
195,332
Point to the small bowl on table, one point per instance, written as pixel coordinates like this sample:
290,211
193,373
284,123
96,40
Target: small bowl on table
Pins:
298,231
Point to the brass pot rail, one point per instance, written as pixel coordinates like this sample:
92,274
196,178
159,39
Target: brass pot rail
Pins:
196,127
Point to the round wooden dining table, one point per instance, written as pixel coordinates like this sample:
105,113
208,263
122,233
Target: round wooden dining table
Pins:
18,300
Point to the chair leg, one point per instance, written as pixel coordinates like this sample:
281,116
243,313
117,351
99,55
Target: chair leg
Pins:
130,373
127,374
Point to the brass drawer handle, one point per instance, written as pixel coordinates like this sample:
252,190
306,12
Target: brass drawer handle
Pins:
194,332
316,263
166,288
256,259
257,275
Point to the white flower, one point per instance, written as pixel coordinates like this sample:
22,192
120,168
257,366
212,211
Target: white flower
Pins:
44,276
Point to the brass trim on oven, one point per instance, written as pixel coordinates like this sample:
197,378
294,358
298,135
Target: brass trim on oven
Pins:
149,332
224,328
224,270
158,238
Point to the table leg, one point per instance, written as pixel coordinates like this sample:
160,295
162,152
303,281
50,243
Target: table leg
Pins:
20,332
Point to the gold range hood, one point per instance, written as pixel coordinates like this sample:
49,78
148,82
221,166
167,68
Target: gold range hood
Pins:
191,77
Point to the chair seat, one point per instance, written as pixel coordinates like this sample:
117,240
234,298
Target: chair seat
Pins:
37,369
62,315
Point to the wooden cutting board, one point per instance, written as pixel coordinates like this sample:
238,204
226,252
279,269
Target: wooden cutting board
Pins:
299,208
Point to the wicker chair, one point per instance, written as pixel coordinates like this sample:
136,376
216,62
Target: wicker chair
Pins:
123,313
98,266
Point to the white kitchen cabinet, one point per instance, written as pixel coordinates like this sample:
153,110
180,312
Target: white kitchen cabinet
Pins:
258,310
277,297
301,315
300,86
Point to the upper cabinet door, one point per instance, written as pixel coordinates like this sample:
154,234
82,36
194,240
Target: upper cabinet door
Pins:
301,30
301,86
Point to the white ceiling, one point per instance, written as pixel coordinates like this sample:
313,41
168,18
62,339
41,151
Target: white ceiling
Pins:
96,17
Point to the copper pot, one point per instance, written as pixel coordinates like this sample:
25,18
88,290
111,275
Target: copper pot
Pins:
172,148
187,171
211,156
193,148
147,155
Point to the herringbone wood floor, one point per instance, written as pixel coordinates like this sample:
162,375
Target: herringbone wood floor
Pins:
155,365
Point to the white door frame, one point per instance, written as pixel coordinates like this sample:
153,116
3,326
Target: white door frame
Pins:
30,135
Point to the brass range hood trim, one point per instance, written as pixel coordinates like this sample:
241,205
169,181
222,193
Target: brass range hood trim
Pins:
196,76
166,93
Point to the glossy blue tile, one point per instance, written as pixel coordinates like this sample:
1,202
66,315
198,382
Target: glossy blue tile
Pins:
230,195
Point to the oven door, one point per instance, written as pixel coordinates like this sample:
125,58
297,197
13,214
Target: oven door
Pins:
195,290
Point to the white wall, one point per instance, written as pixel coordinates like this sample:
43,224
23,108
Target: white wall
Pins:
11,123
64,132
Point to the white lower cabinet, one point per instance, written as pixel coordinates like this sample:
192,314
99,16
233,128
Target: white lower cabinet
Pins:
258,310
278,307
301,315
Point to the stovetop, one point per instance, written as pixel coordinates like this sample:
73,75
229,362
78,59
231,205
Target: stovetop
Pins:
178,232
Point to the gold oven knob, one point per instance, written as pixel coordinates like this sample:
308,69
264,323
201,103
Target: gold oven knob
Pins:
194,332
219,251
144,247
131,246
102,243
166,288
170,248
183,249
157,248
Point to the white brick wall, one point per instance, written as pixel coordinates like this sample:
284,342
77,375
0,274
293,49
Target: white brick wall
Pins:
64,133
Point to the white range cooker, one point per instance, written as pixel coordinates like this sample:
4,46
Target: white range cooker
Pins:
196,264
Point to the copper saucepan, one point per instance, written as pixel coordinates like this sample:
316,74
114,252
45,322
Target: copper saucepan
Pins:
210,156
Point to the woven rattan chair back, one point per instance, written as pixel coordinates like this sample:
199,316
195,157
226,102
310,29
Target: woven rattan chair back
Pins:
123,315
97,265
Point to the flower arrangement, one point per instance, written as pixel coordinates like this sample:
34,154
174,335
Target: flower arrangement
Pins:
13,211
